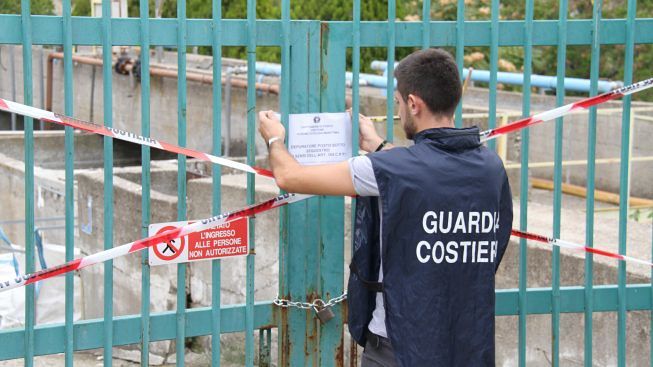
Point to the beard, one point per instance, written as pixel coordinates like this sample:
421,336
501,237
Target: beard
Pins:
409,126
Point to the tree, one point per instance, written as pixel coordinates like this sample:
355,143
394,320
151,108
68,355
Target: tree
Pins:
81,8
41,7
271,9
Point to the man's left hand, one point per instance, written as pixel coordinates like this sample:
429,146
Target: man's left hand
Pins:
270,126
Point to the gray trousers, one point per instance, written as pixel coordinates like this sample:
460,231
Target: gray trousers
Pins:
378,352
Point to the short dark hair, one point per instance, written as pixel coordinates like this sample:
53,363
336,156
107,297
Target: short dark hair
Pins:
432,75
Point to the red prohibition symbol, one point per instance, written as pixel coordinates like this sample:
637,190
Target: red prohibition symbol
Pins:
170,250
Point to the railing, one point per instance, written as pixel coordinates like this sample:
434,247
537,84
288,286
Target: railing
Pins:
311,243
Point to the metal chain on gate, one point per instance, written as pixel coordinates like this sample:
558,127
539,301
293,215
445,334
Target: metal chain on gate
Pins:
322,309
317,303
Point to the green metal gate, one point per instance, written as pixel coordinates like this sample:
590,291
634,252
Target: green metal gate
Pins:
311,251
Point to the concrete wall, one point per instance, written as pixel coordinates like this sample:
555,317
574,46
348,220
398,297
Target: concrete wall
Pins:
574,142
48,200
126,94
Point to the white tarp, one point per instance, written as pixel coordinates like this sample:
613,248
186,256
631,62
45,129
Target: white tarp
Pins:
50,301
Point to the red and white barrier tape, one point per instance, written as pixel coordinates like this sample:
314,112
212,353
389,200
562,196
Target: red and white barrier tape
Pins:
575,246
150,241
47,116
14,107
566,109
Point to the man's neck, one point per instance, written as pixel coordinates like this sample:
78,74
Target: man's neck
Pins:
434,122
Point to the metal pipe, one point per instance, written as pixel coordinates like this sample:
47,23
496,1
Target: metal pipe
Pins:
539,81
41,87
21,221
377,81
165,73
12,72
227,97
58,55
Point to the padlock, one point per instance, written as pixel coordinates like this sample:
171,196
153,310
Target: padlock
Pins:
324,314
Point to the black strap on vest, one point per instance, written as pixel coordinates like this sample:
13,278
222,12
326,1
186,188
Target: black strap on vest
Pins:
372,286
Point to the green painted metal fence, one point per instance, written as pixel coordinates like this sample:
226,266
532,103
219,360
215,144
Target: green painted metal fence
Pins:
311,251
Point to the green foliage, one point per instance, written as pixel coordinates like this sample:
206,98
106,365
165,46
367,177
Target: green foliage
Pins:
271,9
545,58
41,7
81,8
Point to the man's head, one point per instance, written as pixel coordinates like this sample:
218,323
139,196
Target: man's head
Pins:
428,88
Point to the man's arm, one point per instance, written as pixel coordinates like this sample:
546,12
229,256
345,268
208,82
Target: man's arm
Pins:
326,179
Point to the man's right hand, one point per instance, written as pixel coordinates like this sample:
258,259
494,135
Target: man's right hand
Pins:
368,139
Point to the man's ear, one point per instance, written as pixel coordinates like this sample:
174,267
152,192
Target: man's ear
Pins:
414,104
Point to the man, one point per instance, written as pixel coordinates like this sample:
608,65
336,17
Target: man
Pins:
432,224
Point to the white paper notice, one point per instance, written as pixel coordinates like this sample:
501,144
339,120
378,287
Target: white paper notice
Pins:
317,138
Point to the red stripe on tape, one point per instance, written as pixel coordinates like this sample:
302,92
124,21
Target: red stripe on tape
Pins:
263,172
154,240
52,272
81,125
531,236
3,104
517,125
184,151
602,98
604,253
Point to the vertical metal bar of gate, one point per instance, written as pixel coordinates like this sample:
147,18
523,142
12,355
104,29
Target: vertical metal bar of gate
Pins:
523,176
145,179
216,198
390,72
332,93
108,179
591,168
284,243
28,123
557,169
355,71
494,62
460,53
181,174
624,182
69,188
251,156
355,100
426,24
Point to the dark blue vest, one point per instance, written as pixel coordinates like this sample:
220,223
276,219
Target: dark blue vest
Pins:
447,216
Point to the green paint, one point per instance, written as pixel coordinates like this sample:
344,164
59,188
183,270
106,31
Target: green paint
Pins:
108,180
591,174
390,70
70,184
87,31
145,180
460,53
251,156
426,23
181,174
216,281
523,176
26,38
624,183
494,67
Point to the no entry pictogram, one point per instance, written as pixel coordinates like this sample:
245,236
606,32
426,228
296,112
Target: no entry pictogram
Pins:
169,250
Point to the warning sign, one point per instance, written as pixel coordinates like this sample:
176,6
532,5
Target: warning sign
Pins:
231,239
